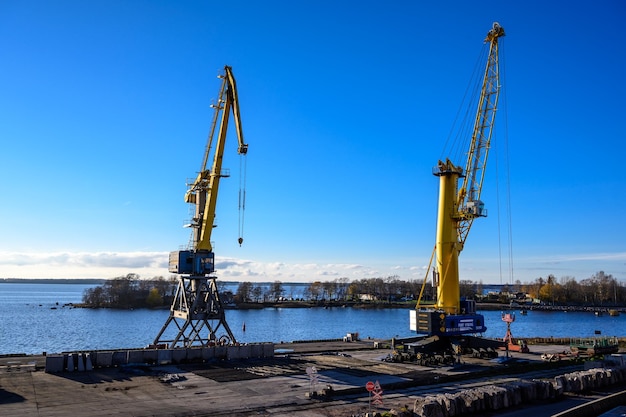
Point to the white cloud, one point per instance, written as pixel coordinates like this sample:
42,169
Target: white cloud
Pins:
617,256
152,264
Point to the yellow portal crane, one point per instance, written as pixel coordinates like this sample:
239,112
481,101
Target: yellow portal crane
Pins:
457,209
197,307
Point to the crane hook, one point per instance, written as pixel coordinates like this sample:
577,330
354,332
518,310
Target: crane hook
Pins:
240,240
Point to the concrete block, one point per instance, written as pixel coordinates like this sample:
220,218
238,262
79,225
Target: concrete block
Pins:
150,356
592,364
80,362
179,355
268,350
88,363
194,354
256,350
244,351
104,359
136,356
164,356
120,357
208,353
54,363
429,407
71,363
233,352
221,352
618,359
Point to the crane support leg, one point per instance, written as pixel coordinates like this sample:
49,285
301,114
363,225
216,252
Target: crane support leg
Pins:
197,316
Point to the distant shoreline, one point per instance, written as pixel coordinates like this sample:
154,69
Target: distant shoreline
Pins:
333,304
94,281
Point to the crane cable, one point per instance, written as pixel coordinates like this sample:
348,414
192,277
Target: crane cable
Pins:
243,162
461,129
507,204
419,298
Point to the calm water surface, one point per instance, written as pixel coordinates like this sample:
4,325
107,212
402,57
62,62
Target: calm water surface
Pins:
33,319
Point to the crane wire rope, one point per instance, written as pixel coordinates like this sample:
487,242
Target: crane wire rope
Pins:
419,299
461,130
508,178
243,164
504,152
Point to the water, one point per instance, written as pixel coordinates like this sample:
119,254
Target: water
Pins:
33,319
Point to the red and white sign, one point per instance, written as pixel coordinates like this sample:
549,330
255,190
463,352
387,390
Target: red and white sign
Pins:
370,386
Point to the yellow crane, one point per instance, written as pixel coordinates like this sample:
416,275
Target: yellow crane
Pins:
204,190
197,307
457,210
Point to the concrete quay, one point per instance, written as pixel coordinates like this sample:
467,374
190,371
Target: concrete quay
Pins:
278,386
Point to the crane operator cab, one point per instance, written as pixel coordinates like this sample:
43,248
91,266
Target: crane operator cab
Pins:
192,262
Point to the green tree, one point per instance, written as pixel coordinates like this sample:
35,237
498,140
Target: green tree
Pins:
154,298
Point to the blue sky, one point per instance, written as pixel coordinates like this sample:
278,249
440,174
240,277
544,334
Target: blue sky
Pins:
104,112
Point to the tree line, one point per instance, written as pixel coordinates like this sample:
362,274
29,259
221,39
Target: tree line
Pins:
600,289
132,292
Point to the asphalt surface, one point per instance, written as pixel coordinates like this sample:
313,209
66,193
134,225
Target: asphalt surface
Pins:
278,387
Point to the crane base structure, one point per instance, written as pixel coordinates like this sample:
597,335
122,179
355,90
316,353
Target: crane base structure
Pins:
196,315
447,337
445,350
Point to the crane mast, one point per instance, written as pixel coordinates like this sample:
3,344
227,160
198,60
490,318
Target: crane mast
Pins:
197,307
457,210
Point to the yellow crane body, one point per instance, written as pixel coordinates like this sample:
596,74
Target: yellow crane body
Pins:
447,244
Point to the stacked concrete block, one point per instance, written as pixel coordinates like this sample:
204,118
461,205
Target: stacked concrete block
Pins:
590,379
105,359
492,398
483,399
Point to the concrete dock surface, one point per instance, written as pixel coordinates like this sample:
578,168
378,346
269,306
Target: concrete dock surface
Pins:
279,387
